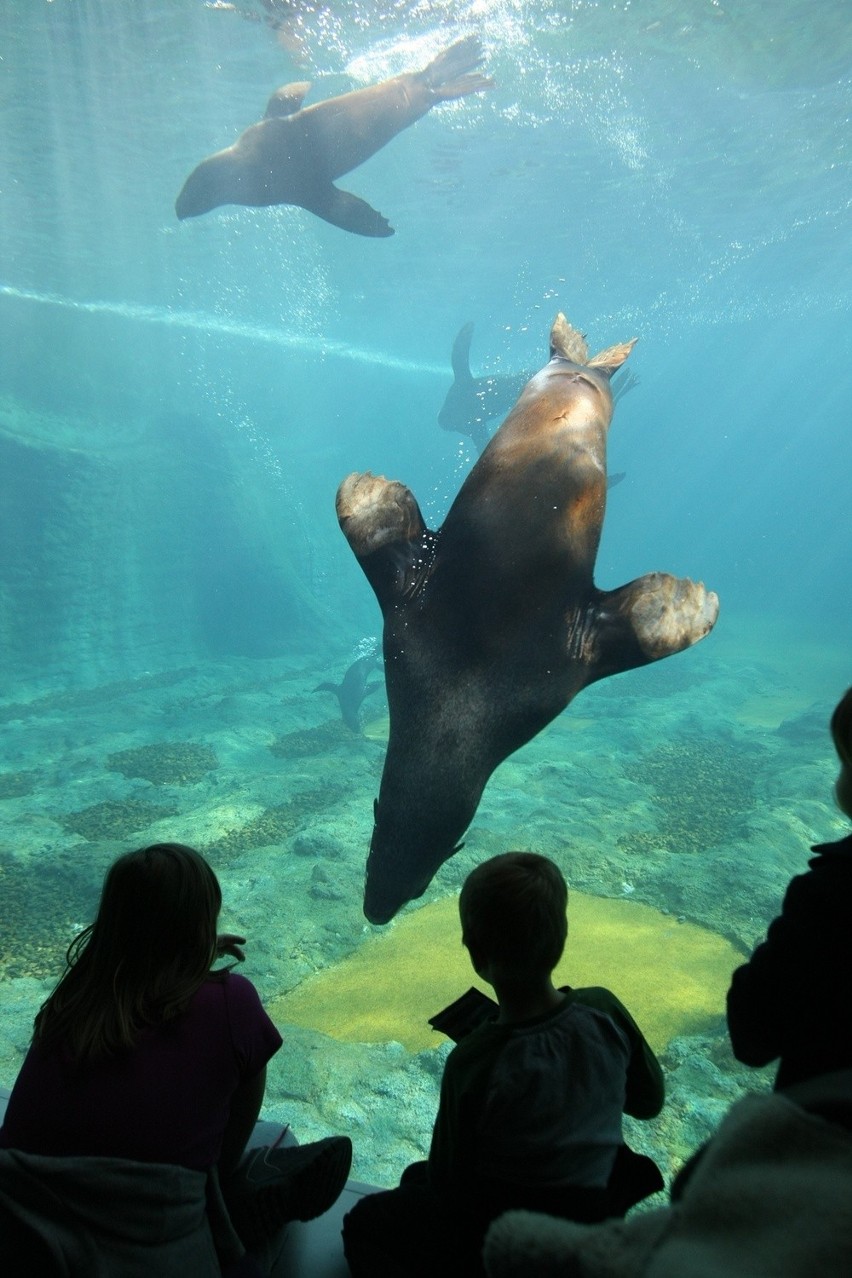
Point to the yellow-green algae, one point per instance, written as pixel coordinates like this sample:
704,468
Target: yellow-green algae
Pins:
672,976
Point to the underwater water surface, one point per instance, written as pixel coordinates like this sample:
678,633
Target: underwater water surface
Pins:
180,400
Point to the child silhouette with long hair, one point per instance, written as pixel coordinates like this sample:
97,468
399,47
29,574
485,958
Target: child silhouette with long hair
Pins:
144,1052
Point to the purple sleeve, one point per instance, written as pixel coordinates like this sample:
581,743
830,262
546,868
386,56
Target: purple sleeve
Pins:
254,1038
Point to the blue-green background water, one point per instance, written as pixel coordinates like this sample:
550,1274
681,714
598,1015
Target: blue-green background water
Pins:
178,403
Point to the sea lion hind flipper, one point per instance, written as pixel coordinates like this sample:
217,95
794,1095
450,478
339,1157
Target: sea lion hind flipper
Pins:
452,73
648,619
348,211
567,341
610,360
381,520
287,100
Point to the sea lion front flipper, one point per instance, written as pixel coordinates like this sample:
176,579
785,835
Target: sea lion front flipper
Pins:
348,211
287,100
381,520
649,618
452,73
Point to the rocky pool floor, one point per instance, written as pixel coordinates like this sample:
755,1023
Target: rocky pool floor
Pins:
696,786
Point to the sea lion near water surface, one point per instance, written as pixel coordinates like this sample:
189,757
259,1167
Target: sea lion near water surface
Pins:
493,624
295,154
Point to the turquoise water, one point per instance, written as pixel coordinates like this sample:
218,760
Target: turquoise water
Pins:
179,401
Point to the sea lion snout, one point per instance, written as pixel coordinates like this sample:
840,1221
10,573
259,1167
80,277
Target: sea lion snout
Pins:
201,191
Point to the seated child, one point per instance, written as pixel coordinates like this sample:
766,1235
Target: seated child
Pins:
141,1052
530,1112
792,1001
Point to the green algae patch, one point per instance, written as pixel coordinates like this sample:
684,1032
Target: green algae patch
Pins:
165,763
114,819
306,742
672,976
39,914
16,785
703,791
274,826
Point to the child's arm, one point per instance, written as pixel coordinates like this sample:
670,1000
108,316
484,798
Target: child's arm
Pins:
646,1089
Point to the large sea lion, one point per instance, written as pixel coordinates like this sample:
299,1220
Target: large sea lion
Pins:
294,154
493,624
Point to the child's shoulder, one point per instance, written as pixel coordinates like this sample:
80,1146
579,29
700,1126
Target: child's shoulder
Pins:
603,1000
231,986
591,995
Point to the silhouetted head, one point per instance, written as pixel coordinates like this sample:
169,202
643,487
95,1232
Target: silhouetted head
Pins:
513,915
158,910
149,949
841,735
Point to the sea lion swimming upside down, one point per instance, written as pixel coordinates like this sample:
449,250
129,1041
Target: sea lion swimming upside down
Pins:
294,154
493,624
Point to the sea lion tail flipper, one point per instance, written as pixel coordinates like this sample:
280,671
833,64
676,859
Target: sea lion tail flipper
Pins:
381,520
451,74
347,211
460,357
287,100
650,618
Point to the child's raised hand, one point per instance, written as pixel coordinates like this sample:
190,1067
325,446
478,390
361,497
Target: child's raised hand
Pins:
230,943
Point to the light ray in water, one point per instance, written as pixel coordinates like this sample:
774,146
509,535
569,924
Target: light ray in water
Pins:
203,322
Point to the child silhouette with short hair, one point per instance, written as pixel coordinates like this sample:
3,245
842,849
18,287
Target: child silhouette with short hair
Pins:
531,1104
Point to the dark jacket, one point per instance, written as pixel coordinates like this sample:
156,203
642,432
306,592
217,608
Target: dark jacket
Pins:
793,999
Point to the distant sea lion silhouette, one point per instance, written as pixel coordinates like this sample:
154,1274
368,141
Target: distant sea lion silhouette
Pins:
471,401
353,689
493,624
293,155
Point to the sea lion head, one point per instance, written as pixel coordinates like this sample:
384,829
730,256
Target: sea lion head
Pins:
403,860
213,182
